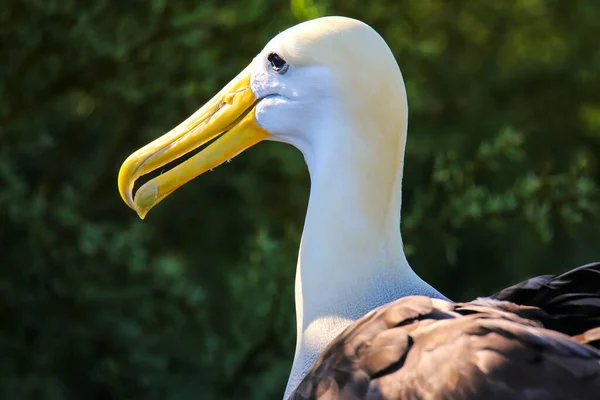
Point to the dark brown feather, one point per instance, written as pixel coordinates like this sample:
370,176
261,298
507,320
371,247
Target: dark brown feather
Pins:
571,300
422,348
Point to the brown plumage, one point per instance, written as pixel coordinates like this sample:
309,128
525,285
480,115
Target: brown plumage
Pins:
492,348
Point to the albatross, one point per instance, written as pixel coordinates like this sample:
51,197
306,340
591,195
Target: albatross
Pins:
367,325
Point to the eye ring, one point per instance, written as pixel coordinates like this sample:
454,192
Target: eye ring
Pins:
278,64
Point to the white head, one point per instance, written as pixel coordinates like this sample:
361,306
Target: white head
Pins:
332,88
331,68
326,72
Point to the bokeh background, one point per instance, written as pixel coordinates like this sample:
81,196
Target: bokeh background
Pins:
196,302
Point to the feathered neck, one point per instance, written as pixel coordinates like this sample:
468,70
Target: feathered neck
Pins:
351,258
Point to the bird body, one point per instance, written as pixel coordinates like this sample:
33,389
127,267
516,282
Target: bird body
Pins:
332,88
491,348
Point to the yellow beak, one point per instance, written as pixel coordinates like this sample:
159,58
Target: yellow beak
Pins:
230,111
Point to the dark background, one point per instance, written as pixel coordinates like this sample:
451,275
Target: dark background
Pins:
501,182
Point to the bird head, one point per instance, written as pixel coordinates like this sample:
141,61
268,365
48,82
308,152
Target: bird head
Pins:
309,86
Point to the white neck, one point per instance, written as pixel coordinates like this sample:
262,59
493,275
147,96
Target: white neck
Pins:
351,258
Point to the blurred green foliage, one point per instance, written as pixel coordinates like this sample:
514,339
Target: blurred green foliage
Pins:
197,301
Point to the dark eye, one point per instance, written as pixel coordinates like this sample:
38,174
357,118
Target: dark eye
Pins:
277,63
